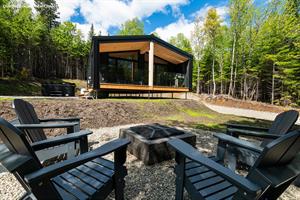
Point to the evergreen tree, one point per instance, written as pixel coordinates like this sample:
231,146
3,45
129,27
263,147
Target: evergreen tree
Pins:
48,10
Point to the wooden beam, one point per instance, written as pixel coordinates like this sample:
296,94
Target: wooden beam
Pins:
151,64
145,49
132,87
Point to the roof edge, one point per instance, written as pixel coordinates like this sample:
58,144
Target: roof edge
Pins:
124,38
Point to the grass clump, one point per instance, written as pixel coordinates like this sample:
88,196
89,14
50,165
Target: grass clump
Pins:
193,113
212,127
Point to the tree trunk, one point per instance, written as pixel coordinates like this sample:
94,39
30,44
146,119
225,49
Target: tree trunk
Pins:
213,77
198,78
234,79
273,83
221,71
230,91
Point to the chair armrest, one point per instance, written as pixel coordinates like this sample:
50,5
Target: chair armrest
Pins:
61,119
189,152
58,140
250,133
61,167
243,126
46,125
238,142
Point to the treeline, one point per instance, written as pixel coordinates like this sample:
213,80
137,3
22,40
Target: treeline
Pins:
252,55
255,57
37,45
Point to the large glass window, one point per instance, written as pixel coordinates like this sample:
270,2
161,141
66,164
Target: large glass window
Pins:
123,68
164,77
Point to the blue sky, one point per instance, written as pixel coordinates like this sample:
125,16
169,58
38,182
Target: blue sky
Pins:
166,17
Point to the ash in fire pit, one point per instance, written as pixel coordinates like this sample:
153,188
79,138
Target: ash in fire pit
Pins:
148,142
155,131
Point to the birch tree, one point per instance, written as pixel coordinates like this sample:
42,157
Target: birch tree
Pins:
211,28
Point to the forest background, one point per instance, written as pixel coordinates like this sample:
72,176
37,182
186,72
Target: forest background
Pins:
255,56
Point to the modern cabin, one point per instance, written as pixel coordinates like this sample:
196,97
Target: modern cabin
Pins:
138,64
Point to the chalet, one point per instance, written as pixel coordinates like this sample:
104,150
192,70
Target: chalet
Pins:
138,64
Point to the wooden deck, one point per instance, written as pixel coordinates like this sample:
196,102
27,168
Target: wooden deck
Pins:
139,88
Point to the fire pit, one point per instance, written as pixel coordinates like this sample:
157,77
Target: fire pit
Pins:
148,142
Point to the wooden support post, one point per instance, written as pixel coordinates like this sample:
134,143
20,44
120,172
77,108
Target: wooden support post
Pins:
186,95
172,95
151,64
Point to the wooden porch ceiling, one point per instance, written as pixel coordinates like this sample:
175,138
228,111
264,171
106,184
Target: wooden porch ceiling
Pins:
159,50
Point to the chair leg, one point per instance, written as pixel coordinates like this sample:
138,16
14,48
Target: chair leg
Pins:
120,173
119,186
180,172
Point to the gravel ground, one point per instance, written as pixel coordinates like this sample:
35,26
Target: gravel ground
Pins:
156,182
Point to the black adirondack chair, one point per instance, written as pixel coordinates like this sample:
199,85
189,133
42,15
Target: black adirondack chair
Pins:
247,153
276,168
29,122
87,176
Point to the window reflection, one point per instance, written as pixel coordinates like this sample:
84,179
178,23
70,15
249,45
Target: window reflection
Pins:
124,68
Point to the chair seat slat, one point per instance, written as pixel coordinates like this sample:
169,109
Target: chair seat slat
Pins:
100,168
78,183
93,173
208,182
86,178
215,188
107,163
64,194
229,192
69,188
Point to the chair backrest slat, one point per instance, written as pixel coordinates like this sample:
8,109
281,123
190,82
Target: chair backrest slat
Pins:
280,151
27,115
15,140
273,162
282,124
17,144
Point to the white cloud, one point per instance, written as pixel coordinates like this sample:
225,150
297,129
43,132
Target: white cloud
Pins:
112,13
115,12
181,26
67,8
186,26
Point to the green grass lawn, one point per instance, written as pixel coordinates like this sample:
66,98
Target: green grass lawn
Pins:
201,117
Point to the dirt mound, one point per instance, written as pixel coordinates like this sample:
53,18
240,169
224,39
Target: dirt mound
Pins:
103,113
